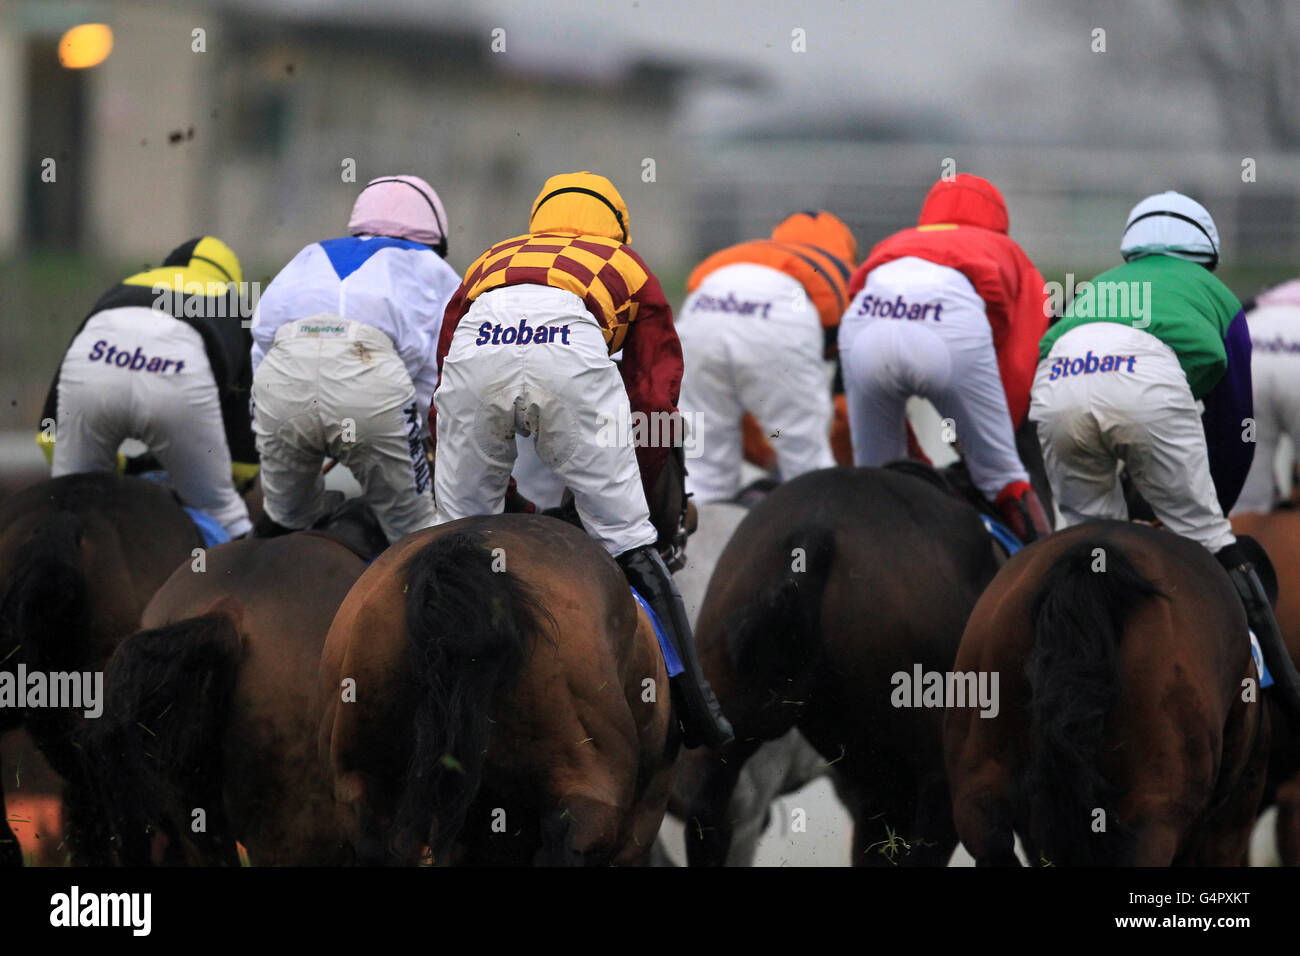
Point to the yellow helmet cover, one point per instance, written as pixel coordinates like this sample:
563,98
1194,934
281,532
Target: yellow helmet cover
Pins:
581,203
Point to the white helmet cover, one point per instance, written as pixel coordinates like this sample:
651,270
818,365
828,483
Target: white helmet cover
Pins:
1171,224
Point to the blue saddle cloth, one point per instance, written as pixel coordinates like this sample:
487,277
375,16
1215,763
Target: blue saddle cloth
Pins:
212,530
1002,534
1257,652
671,660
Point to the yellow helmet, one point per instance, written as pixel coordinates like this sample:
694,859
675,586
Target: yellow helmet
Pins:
581,203
207,254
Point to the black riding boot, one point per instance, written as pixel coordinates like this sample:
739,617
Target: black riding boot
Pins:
1259,613
703,721
264,527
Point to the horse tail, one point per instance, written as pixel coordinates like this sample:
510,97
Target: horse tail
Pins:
43,605
776,631
1078,615
156,751
468,631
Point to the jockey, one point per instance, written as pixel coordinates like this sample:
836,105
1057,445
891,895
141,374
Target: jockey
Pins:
163,358
344,361
525,347
1275,373
951,310
754,332
1120,378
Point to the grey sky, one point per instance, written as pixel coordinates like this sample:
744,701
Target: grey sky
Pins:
1006,70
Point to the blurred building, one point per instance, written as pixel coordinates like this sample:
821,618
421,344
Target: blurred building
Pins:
217,117
243,117
1067,203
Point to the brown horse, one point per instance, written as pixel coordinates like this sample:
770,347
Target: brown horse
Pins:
213,705
495,694
1130,729
832,588
79,558
1279,533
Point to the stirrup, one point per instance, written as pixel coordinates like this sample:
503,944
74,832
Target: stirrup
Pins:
1259,615
703,722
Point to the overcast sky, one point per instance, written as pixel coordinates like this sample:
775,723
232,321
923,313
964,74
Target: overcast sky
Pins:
1000,69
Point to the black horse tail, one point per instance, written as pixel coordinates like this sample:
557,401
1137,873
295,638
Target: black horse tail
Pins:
468,628
1078,618
43,606
775,635
155,752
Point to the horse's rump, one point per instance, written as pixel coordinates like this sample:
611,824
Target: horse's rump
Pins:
835,584
469,629
1079,616
500,663
1122,737
213,706
156,751
80,556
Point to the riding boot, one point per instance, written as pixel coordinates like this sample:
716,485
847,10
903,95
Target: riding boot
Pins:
264,527
703,721
1259,614
1022,512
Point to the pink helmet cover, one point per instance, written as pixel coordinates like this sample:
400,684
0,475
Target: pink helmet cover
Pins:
1288,293
403,207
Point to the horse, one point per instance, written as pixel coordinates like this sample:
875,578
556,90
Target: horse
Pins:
212,705
837,585
1279,533
1129,729
80,556
780,766
495,694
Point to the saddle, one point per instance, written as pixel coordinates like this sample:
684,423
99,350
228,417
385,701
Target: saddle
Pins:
952,479
351,522
955,481
672,551
756,491
209,528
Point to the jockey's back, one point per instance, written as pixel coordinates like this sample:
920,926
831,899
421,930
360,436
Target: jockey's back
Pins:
1180,303
814,248
577,243
163,358
1274,323
543,314
344,357
963,226
950,310
196,285
398,286
758,328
